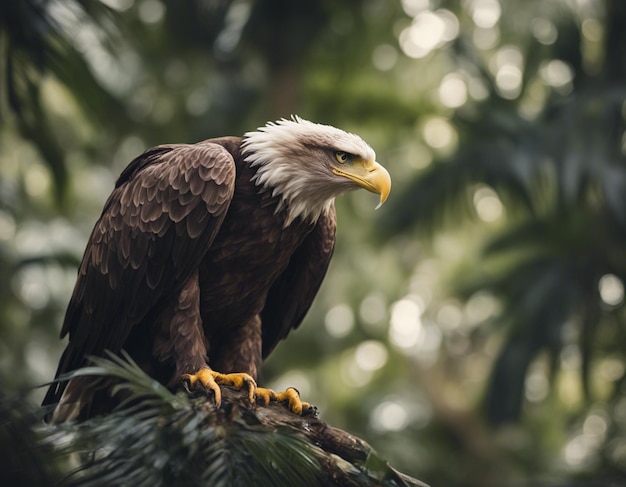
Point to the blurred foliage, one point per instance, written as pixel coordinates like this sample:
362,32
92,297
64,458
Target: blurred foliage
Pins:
472,331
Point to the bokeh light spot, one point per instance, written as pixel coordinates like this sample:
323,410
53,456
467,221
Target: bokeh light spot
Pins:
486,38
371,355
487,204
557,74
414,7
428,31
537,386
389,416
373,309
439,134
593,30
486,13
339,320
384,57
151,11
509,81
611,289
449,316
405,326
453,91
544,31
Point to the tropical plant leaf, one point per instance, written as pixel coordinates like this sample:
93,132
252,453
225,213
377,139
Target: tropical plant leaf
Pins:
156,437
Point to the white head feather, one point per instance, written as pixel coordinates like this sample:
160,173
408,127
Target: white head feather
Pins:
288,164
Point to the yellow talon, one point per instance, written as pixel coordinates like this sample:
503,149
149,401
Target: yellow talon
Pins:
290,396
211,380
265,395
205,377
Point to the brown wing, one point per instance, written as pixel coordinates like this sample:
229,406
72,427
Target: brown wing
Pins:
292,294
156,226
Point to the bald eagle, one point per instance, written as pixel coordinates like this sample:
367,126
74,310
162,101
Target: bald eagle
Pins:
206,256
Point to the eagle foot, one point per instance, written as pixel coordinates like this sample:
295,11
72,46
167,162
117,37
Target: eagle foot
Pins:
211,380
290,396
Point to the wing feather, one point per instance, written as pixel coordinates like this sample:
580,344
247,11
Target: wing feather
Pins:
155,228
292,294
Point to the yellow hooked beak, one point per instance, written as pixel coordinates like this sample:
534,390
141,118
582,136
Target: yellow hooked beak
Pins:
369,175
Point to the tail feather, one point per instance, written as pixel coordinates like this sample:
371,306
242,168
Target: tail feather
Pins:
68,407
84,398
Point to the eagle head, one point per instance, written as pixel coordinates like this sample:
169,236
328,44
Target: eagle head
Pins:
308,164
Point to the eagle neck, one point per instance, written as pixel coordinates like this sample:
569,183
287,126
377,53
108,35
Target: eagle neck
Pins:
298,193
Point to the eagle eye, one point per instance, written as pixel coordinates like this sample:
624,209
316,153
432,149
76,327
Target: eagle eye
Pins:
342,157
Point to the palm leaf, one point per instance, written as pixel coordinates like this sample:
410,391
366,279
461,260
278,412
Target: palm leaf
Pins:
156,437
34,44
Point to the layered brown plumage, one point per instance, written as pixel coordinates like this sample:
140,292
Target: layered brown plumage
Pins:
190,263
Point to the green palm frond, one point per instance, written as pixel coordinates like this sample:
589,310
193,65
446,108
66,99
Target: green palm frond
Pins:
545,276
34,44
539,297
506,157
25,461
156,437
565,169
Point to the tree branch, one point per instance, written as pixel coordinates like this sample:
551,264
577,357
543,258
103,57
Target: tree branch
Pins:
344,456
